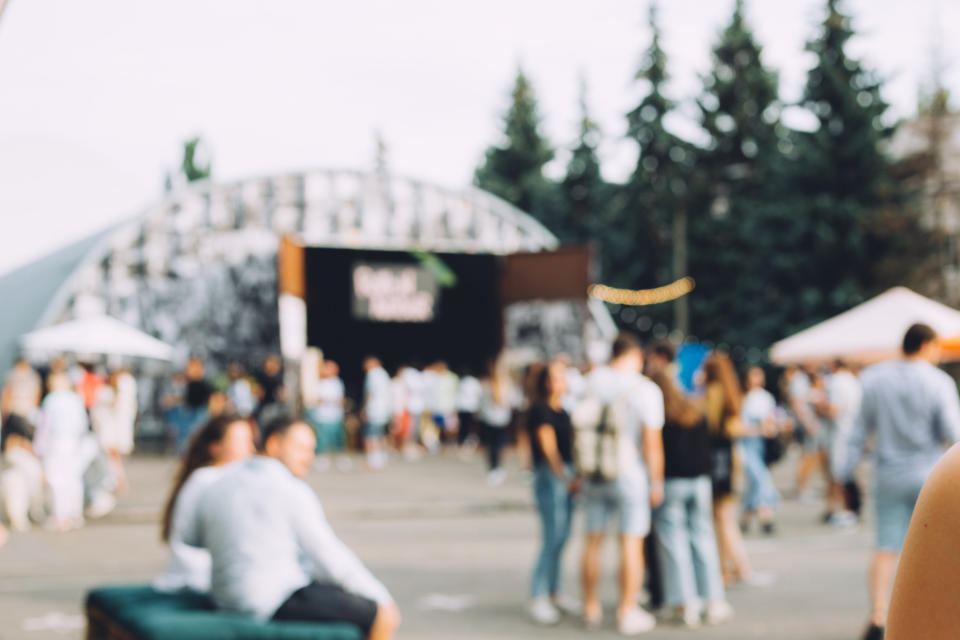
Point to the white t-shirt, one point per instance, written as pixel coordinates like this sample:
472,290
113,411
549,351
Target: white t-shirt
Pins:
844,394
328,394
378,396
496,414
188,567
758,405
468,395
645,402
413,379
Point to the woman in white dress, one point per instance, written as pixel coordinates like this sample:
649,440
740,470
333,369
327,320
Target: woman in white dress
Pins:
113,417
224,439
61,429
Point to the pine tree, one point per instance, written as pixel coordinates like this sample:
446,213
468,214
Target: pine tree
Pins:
636,243
583,189
739,111
840,174
514,171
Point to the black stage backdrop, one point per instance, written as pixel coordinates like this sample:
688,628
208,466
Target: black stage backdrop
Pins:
466,331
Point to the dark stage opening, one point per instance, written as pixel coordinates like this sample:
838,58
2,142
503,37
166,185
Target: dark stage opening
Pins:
402,308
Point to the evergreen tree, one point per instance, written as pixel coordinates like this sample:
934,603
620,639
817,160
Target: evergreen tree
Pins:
583,189
194,168
739,111
636,242
841,176
514,171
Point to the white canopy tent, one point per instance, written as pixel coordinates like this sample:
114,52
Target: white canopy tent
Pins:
99,335
870,332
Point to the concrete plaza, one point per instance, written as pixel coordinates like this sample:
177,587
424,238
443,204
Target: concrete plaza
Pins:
454,552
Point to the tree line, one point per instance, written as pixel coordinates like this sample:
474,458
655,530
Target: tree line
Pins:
780,228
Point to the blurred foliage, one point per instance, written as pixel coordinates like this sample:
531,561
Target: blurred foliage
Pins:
786,227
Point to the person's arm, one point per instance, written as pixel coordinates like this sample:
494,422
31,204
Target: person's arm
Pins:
864,424
927,585
948,414
325,551
547,439
653,442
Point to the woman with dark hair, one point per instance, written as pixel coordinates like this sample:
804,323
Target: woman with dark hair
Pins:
224,439
554,483
724,401
686,543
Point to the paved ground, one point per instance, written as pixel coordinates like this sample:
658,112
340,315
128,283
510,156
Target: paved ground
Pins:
455,553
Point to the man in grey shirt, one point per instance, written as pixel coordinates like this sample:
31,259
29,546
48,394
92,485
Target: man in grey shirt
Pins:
911,410
273,553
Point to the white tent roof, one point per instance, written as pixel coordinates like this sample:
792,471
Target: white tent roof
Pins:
96,335
870,332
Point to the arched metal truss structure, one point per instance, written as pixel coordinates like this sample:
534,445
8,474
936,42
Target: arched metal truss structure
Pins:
198,268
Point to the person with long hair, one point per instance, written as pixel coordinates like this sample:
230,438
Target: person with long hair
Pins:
685,541
554,484
497,402
224,439
724,401
760,496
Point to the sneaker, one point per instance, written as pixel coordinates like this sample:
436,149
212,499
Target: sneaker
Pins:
717,612
593,620
758,579
873,633
344,463
496,477
843,519
568,605
769,528
637,621
102,504
687,616
543,612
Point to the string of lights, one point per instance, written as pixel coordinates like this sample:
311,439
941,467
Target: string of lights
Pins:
642,297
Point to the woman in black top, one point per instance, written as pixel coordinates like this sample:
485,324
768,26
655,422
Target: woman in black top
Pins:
686,544
551,444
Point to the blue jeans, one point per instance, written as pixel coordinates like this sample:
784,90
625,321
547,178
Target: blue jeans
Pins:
686,544
759,491
555,506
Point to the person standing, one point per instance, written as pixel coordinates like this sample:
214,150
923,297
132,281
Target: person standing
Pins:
196,402
554,483
60,432
760,496
497,402
469,392
626,408
843,405
685,541
911,410
326,413
112,419
377,411
724,402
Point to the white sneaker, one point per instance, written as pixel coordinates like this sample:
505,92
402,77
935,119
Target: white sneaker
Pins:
102,504
636,622
543,612
496,477
322,463
843,519
759,579
717,612
568,605
344,463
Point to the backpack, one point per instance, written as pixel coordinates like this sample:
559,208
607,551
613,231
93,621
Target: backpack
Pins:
598,429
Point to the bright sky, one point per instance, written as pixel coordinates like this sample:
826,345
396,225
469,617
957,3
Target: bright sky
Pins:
97,96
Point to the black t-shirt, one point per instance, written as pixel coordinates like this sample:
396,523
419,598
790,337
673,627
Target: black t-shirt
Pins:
198,393
541,414
686,450
271,385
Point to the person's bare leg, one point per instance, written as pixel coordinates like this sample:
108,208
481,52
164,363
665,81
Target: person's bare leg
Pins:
735,548
386,623
631,573
882,568
590,575
808,465
723,544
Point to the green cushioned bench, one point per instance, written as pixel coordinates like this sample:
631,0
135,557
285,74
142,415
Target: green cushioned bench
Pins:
128,612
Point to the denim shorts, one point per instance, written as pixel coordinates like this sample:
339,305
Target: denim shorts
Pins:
894,508
375,429
627,497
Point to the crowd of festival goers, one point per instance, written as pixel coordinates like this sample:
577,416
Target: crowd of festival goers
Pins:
680,474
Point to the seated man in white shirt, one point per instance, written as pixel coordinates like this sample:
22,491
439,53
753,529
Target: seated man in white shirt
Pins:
274,556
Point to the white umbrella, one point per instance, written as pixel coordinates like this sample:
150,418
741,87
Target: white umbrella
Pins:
870,332
101,335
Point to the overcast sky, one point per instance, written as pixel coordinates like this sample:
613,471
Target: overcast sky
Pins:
97,96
